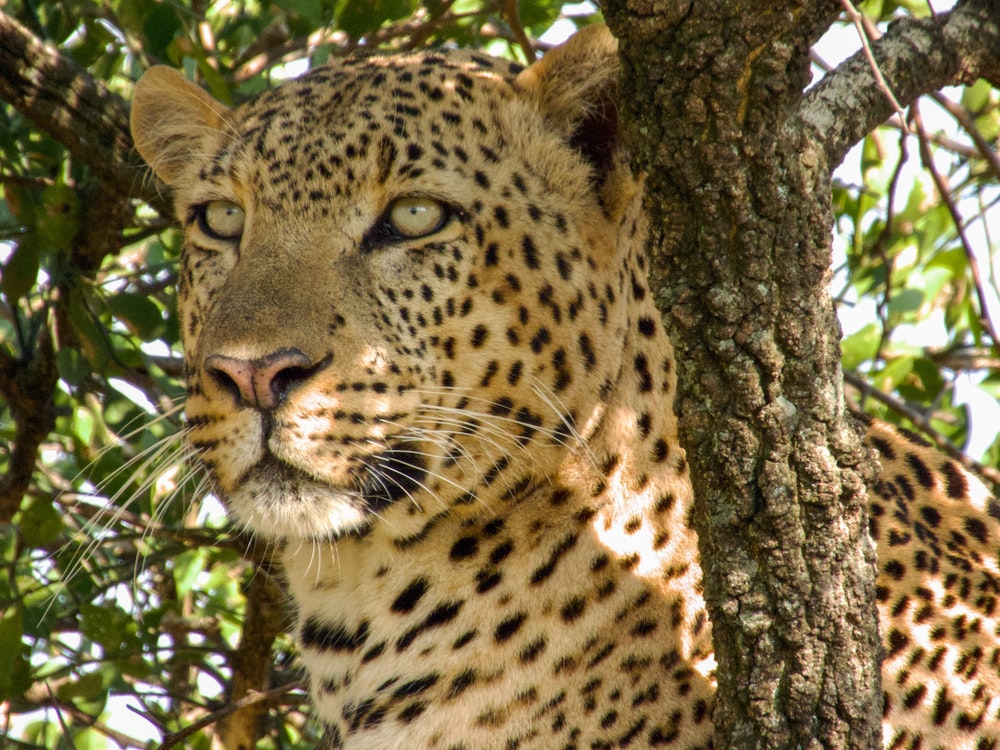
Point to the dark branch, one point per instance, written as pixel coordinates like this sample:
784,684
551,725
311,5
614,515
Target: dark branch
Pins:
73,107
26,385
916,56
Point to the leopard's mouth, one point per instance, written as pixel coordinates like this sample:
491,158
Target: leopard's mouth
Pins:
278,500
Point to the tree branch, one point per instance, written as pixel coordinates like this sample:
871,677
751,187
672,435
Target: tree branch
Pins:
73,107
26,384
915,56
923,423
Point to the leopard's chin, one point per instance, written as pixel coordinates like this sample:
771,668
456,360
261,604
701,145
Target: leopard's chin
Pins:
278,502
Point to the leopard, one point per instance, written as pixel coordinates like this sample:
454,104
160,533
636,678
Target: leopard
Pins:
424,363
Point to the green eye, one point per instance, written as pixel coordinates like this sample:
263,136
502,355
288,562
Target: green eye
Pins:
221,220
414,217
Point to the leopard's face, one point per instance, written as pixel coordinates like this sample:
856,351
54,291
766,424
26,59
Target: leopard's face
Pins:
387,291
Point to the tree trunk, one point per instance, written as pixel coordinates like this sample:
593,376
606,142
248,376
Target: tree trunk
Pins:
738,161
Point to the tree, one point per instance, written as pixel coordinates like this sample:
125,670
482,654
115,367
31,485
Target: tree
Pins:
120,579
739,157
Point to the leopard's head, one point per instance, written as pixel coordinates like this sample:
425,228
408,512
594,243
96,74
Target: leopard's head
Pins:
402,292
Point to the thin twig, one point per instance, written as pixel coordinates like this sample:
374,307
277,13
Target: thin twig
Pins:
250,699
858,20
883,239
944,191
968,123
513,18
923,424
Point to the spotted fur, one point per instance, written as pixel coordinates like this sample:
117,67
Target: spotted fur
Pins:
422,358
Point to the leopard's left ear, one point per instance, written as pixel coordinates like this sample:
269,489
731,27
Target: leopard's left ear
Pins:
576,87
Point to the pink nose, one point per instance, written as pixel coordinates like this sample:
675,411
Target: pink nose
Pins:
265,382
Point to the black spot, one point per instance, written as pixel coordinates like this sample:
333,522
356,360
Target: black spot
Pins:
509,627
540,339
883,447
514,374
564,267
374,652
409,597
440,615
976,529
487,580
573,608
501,552
660,450
942,706
411,712
665,502
531,652
493,528
464,548
645,424
642,370
530,253
417,686
461,681
957,486
931,516
914,437
897,641
647,326
587,350
545,570
492,254
920,470
336,637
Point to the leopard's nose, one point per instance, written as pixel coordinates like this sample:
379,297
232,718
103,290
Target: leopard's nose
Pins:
265,382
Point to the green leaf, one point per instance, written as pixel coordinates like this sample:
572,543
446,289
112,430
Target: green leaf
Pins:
140,314
88,687
92,337
160,25
310,10
954,260
893,373
358,17
860,346
40,523
977,97
106,624
8,543
907,300
60,218
21,269
187,567
15,676
73,367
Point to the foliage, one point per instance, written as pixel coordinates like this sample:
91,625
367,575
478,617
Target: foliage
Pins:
120,578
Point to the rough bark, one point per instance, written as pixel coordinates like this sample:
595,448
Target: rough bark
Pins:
266,617
738,164
915,56
73,107
26,385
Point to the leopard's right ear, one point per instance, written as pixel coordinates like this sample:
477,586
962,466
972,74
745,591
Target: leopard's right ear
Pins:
171,120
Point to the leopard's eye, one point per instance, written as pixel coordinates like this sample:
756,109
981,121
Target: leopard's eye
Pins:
221,220
414,217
